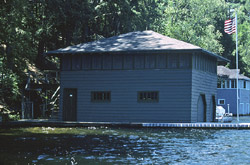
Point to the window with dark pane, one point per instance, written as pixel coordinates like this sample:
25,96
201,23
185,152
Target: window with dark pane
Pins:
161,61
76,62
139,61
148,96
96,61
150,61
228,83
223,82
101,96
86,62
66,63
107,62
173,61
185,61
117,61
218,84
221,101
128,62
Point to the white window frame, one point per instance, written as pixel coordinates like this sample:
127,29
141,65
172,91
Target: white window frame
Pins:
248,85
221,100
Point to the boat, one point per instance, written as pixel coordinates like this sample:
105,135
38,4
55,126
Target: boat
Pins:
222,116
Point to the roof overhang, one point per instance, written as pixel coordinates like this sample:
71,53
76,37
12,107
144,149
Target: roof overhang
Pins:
139,42
218,57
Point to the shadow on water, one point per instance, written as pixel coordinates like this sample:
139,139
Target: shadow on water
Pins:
42,145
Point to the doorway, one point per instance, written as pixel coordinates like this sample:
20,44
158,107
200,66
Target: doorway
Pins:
213,108
69,104
201,108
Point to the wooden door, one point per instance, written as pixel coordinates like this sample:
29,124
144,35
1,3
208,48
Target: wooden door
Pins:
69,104
201,107
213,108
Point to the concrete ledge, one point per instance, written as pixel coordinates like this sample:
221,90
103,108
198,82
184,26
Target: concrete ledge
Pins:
50,123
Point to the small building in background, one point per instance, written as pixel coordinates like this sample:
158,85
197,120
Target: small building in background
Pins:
227,91
137,77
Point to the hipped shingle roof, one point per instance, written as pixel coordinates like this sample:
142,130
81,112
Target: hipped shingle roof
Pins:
139,41
222,71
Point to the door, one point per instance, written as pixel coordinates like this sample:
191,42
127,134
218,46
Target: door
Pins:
247,108
69,104
201,107
213,108
241,108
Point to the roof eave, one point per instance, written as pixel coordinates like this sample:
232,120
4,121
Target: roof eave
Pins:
57,53
219,58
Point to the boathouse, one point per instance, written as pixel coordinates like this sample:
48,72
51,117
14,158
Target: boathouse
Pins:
140,76
227,91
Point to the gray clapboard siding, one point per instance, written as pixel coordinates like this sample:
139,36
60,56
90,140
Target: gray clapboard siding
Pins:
174,88
203,83
139,61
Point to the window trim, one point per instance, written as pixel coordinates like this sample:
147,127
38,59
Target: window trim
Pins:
103,100
139,100
221,100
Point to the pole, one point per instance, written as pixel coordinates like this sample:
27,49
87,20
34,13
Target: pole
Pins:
237,67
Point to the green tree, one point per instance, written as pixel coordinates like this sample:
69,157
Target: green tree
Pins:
17,48
196,22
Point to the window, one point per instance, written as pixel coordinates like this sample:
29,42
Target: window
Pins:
66,63
139,61
107,61
245,84
228,83
128,62
96,62
197,62
221,102
184,61
117,61
233,84
76,62
223,82
86,62
148,96
173,61
161,61
150,61
101,96
218,84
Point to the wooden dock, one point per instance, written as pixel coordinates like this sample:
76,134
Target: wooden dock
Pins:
199,125
49,123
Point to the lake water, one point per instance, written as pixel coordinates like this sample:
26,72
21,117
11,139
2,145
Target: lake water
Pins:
45,145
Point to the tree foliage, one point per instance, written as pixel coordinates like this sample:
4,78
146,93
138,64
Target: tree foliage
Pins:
196,21
29,28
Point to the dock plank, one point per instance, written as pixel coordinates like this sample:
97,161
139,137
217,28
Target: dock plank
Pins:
49,123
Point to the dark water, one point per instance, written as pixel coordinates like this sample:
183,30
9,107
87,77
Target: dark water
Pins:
123,146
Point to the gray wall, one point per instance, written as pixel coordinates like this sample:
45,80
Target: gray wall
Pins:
204,81
174,88
179,89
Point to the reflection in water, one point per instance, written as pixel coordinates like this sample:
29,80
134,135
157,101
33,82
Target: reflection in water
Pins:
123,146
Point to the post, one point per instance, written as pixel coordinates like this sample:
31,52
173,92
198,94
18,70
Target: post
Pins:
237,67
22,110
228,111
22,104
32,110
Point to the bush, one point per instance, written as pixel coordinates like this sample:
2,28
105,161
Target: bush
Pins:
8,115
